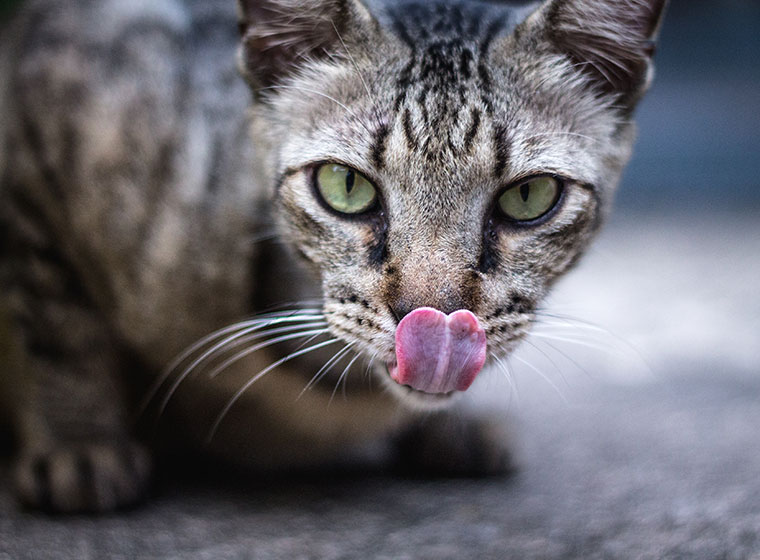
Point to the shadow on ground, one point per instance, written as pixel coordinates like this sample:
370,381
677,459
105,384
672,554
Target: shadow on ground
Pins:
666,470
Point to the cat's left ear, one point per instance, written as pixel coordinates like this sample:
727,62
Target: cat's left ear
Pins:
280,35
611,41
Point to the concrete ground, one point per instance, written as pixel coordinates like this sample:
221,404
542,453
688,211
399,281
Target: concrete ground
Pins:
637,440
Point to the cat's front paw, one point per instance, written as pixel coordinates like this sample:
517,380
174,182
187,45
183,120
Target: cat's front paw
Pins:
448,446
84,477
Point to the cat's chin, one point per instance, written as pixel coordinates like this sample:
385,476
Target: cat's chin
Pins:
414,398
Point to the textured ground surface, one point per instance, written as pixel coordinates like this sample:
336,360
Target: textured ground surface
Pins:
652,453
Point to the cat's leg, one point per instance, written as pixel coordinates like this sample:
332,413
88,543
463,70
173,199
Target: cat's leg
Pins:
455,444
76,452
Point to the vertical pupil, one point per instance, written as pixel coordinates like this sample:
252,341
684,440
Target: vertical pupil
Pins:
350,181
525,192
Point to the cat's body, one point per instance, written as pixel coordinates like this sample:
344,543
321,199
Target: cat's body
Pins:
137,213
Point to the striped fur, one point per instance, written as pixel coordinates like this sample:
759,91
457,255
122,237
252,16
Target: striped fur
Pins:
132,198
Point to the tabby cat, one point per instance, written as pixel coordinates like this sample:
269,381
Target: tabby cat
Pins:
408,183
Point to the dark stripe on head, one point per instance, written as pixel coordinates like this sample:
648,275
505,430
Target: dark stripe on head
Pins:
469,138
411,140
502,148
378,147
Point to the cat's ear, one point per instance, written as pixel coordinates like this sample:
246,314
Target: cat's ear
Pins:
611,41
279,35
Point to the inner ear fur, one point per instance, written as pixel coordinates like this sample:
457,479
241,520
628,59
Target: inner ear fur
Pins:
277,36
611,41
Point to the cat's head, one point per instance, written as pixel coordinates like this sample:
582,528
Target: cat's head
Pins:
444,157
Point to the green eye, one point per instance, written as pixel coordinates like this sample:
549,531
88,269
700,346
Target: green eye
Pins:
530,200
344,189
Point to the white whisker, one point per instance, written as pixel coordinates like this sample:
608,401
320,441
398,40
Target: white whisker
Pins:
576,341
325,368
567,357
258,376
184,375
185,355
544,377
258,335
242,327
343,376
510,377
549,359
580,324
248,351
255,325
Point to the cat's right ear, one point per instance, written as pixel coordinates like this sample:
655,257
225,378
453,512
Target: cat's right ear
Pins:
610,41
279,35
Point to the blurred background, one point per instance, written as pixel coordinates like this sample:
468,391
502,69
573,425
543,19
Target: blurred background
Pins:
638,400
700,123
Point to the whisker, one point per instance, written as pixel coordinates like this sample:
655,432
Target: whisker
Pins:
242,328
550,360
174,364
343,377
185,355
567,357
296,306
568,323
248,351
261,237
509,375
573,322
578,342
255,325
325,368
186,373
544,377
368,371
258,376
258,335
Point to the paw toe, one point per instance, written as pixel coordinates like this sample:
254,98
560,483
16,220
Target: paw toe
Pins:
84,477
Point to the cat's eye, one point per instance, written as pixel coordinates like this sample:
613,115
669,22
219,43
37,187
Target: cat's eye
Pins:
344,189
531,199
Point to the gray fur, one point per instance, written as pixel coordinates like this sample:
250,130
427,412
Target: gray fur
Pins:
132,198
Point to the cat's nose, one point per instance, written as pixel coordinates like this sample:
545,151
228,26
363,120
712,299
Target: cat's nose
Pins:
401,309
404,306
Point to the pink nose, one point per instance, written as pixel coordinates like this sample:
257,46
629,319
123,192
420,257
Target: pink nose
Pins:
439,353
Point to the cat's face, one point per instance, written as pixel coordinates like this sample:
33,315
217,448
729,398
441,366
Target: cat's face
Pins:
451,159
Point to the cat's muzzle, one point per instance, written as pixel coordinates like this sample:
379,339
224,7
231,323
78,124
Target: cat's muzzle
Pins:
438,353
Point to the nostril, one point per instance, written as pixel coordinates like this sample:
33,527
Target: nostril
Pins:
404,307
401,309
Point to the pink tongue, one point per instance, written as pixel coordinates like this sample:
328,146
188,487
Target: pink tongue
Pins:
438,353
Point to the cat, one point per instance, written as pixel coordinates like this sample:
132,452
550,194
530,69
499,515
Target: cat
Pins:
407,185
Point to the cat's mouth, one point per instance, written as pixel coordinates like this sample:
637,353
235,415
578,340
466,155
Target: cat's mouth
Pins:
438,354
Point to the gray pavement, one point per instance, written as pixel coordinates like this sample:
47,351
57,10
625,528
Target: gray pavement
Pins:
664,471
